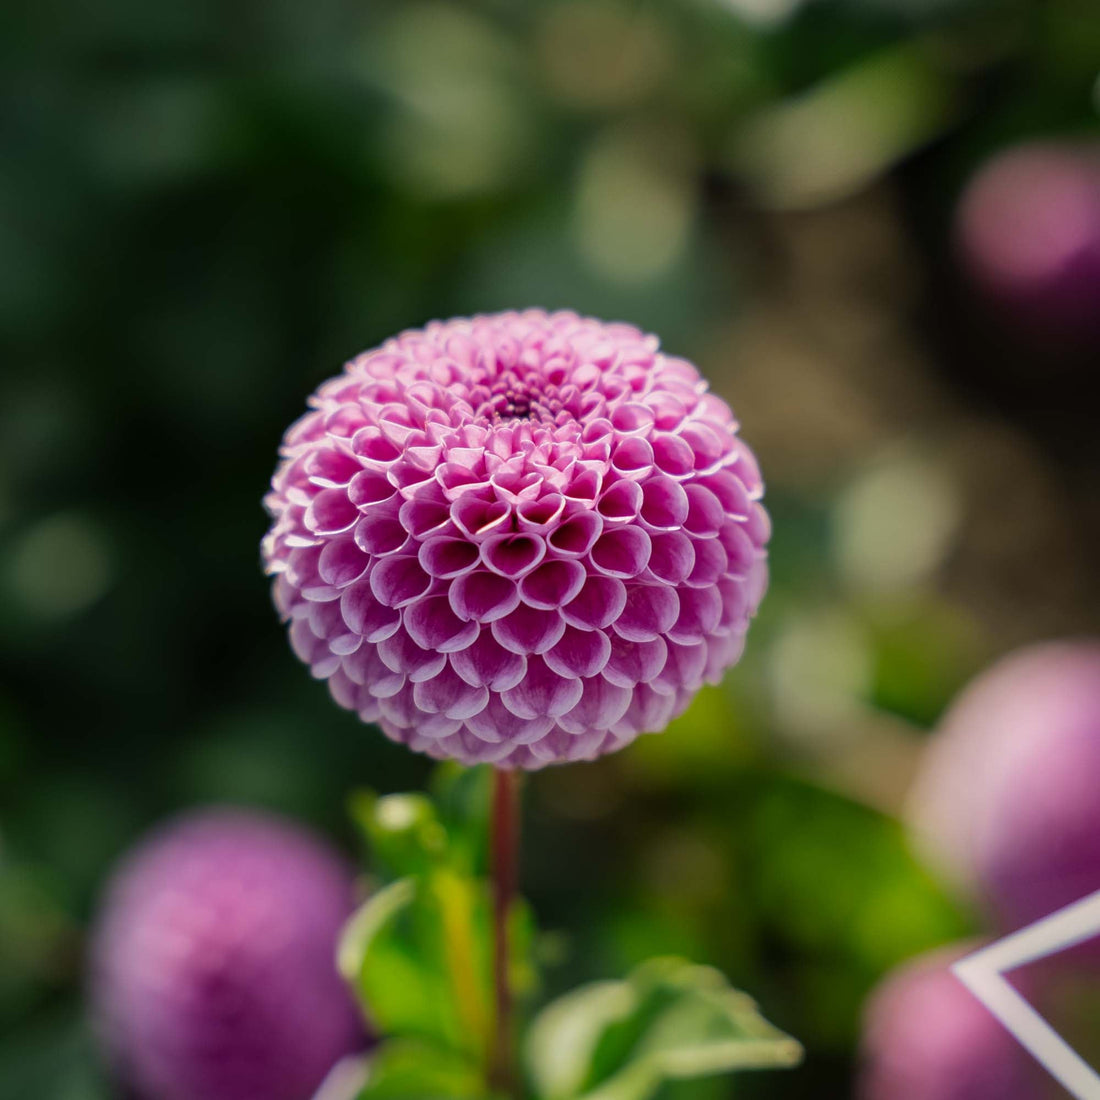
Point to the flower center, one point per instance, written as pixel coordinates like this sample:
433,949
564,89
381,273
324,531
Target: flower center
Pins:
511,397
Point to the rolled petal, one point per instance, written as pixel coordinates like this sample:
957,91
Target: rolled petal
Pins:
486,663
528,630
542,692
579,652
433,625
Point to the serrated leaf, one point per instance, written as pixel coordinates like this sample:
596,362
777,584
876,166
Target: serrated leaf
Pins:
669,1020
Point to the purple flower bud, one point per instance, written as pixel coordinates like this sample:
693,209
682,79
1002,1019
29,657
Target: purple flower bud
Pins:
213,973
1007,799
1028,227
927,1037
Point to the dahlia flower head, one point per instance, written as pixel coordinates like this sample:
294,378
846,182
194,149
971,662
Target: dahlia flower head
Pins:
213,962
518,539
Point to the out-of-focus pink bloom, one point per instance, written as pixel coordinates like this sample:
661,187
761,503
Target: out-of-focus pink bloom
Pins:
1029,230
213,966
927,1037
519,539
1007,800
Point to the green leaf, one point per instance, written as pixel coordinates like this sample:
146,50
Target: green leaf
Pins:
404,832
462,797
417,956
669,1020
408,1070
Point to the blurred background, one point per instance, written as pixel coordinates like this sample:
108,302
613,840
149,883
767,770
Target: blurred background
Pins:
874,224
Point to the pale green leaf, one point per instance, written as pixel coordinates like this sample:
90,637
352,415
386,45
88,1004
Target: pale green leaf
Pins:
669,1020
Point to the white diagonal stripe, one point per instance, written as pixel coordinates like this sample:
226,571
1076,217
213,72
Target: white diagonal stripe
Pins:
983,974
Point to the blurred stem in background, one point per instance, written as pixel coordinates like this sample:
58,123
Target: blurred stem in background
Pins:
504,841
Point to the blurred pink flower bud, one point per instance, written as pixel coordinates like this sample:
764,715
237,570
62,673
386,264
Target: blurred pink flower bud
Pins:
213,965
1007,798
1029,230
927,1037
520,539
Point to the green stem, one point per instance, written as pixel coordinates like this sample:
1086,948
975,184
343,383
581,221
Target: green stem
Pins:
504,843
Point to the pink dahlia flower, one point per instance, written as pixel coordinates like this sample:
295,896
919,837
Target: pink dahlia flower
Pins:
518,539
213,963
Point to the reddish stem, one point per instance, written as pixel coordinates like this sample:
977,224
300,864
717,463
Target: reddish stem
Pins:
504,842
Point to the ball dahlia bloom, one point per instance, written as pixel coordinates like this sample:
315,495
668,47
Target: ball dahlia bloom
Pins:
1006,800
517,539
213,962
927,1037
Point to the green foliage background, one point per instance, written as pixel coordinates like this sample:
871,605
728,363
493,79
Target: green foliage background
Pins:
206,207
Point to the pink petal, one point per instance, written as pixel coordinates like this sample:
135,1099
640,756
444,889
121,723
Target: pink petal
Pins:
553,583
736,608
478,517
620,502
700,613
450,695
650,610
598,604
672,558
576,536
584,488
424,514
365,614
398,581
528,630
621,552
632,663
664,504
534,515
705,515
601,705
730,492
740,552
402,654
332,469
711,563
630,418
342,562
497,723
483,596
366,668
368,488
649,712
433,625
330,512
512,555
445,557
542,692
632,458
685,667
380,533
579,652
486,663
673,455
721,654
